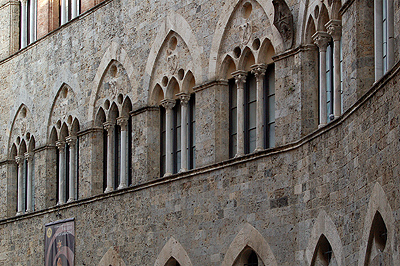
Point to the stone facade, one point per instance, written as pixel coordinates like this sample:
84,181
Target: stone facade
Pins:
318,190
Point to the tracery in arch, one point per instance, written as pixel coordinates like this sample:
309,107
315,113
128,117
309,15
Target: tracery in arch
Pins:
22,148
248,29
173,254
249,246
113,115
63,131
378,241
112,258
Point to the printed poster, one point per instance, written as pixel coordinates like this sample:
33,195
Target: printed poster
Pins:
59,243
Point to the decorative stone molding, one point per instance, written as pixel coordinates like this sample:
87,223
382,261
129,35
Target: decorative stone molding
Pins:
258,70
28,156
168,103
240,78
71,140
19,159
321,39
60,145
108,126
334,28
283,21
185,97
123,122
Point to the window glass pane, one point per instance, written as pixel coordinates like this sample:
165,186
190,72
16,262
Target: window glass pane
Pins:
252,140
271,135
252,115
234,144
271,109
252,88
234,122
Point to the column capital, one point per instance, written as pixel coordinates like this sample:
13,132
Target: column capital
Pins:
168,103
258,70
19,159
321,39
23,1
334,28
185,97
122,121
71,140
60,145
240,78
28,156
109,126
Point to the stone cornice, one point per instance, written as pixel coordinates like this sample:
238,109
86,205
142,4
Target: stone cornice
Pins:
143,109
294,51
210,84
9,3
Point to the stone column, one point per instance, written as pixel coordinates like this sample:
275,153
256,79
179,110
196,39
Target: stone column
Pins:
32,21
322,39
123,123
64,12
335,30
378,38
110,132
29,185
259,72
61,172
168,104
184,130
24,23
20,194
74,9
240,80
71,140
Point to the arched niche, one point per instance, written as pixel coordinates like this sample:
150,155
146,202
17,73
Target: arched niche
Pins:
379,214
249,238
112,258
173,250
324,226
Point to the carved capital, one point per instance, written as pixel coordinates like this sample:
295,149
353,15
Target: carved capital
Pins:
60,145
122,121
109,127
71,140
168,104
321,39
28,156
334,28
19,159
185,97
258,71
240,78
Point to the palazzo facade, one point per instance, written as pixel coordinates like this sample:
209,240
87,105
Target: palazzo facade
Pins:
224,132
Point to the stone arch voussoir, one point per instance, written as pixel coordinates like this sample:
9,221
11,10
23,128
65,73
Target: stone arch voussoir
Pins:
173,249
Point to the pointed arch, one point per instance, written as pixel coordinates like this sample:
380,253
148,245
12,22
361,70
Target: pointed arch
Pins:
112,257
157,95
172,88
249,237
226,13
64,132
113,113
323,18
335,10
176,23
247,59
188,82
310,30
100,117
114,52
31,145
53,136
126,107
324,226
75,127
21,114
22,148
173,249
228,66
266,52
378,203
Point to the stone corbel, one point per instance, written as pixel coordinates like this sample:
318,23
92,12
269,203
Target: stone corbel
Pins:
283,21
